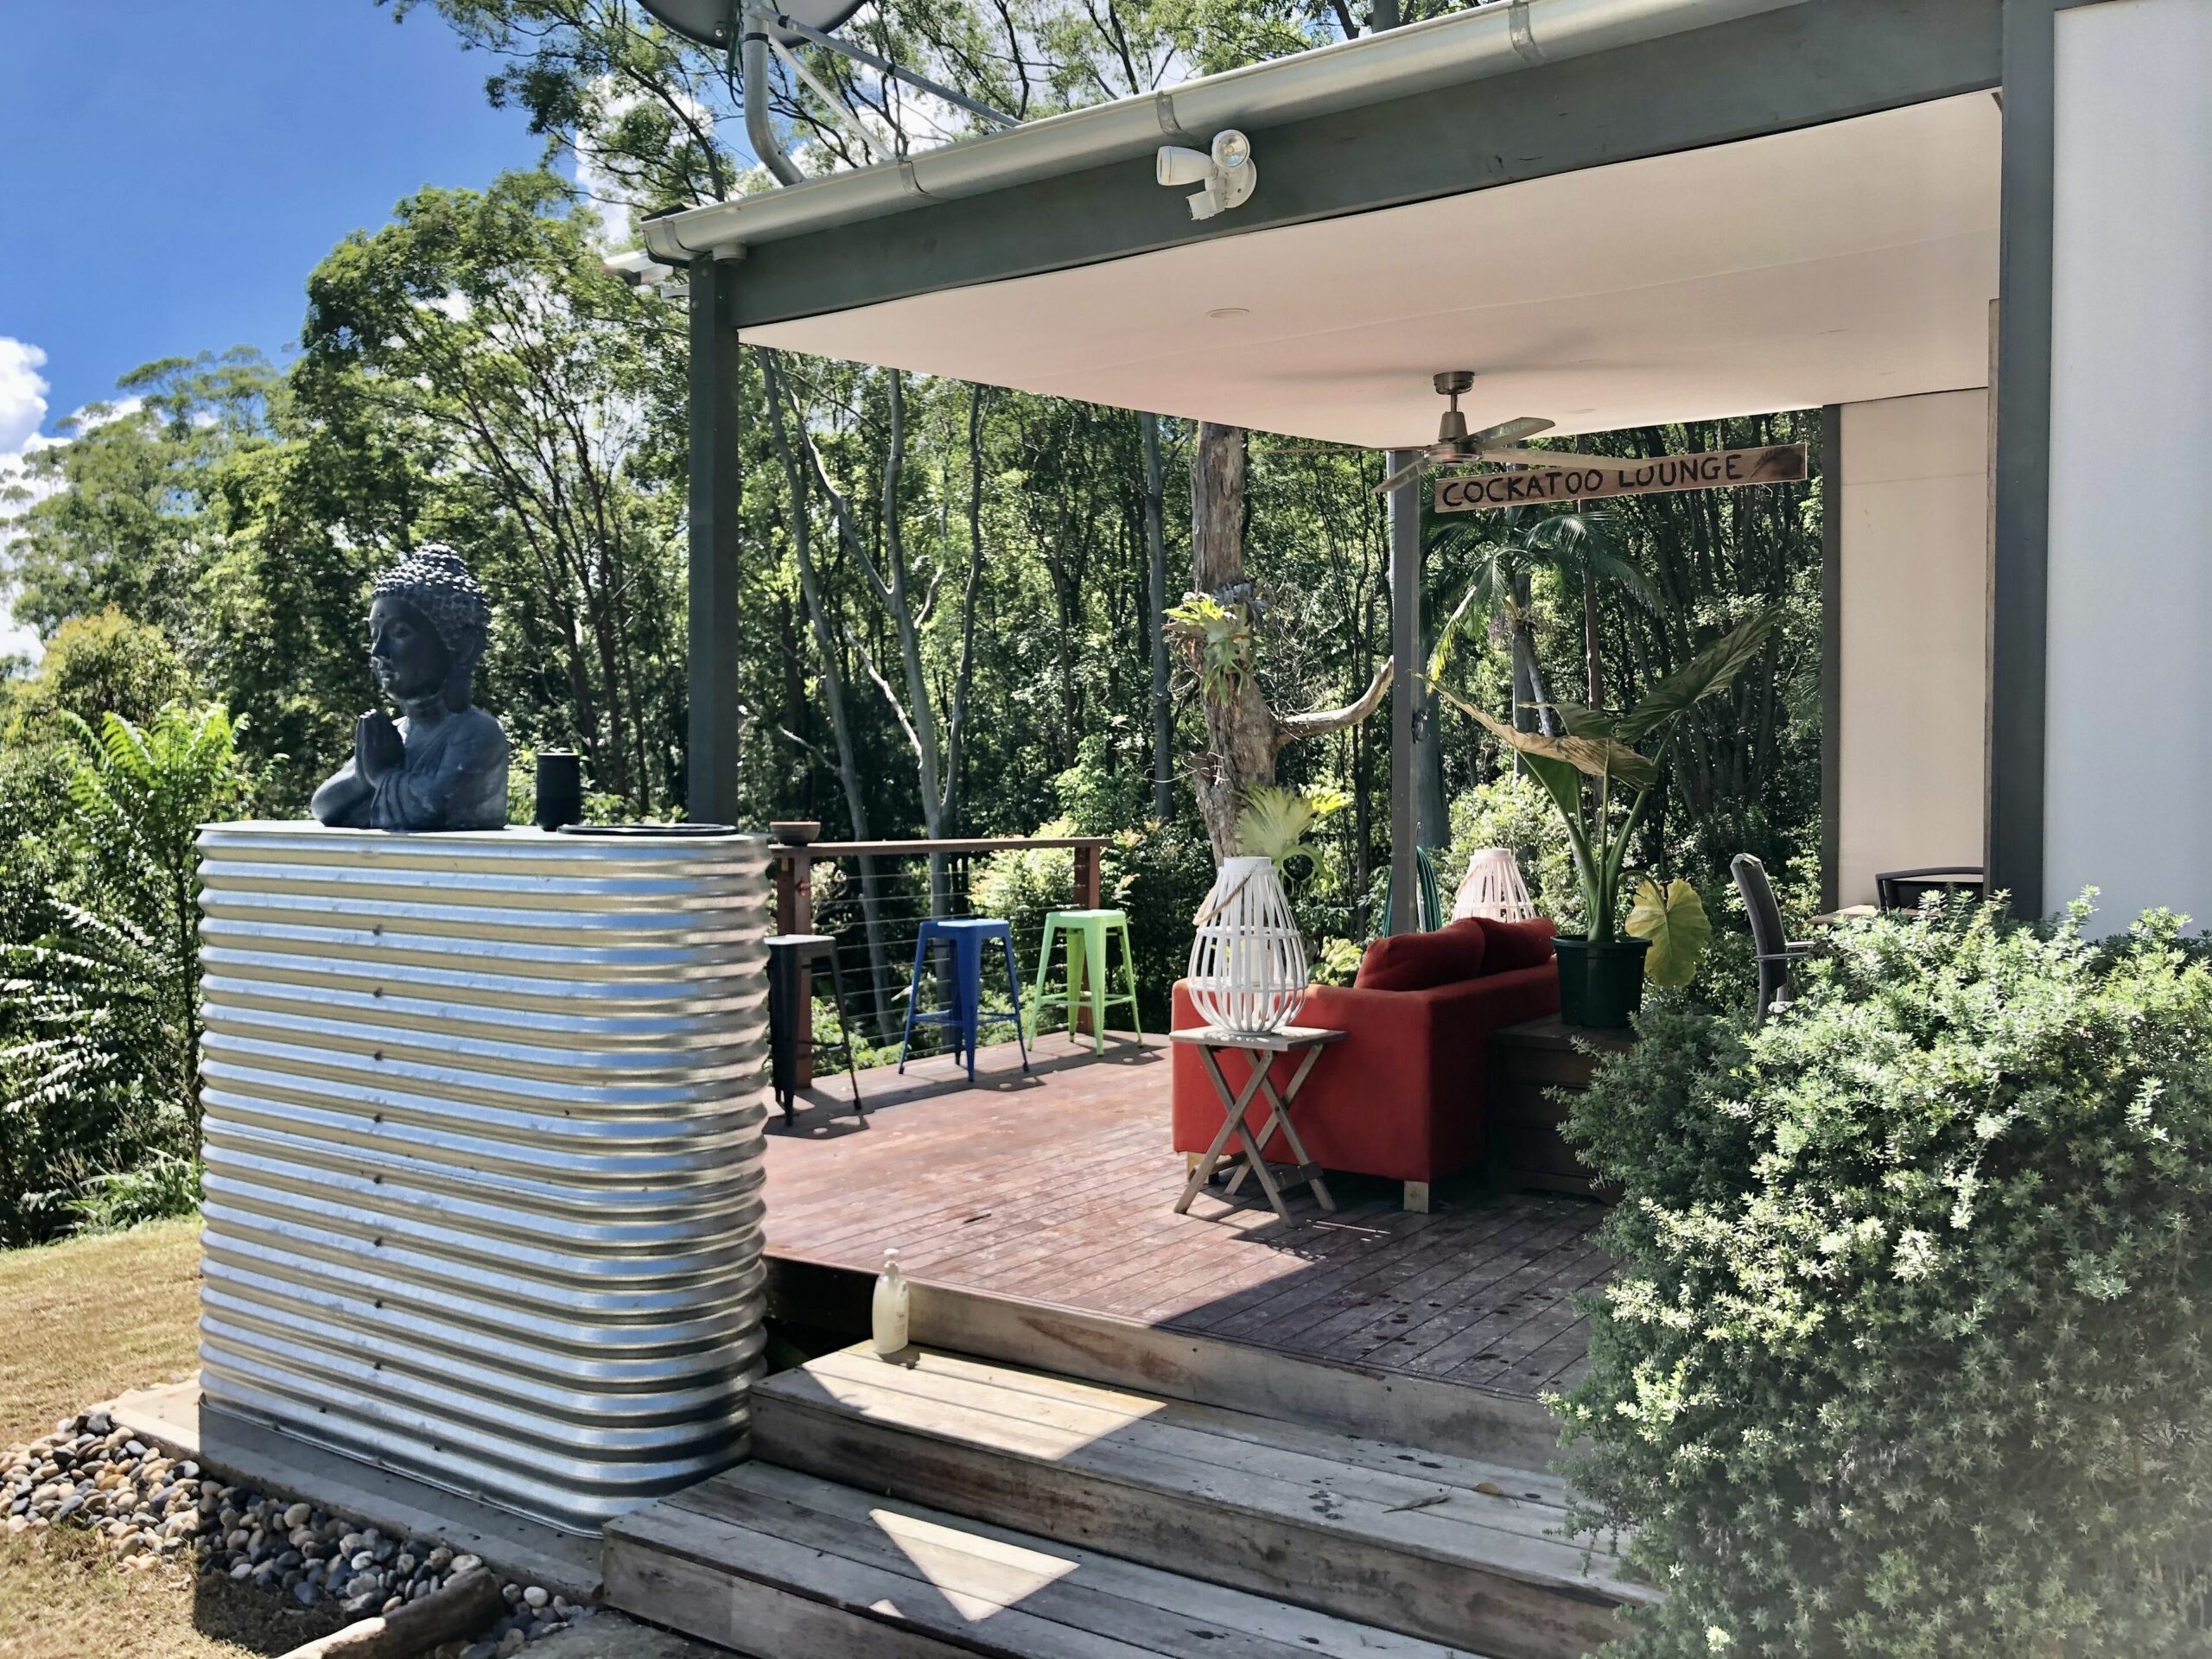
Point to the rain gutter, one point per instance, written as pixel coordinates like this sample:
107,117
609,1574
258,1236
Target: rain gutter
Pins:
1488,41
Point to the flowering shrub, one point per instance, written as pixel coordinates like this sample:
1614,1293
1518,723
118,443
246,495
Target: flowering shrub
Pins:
1907,1353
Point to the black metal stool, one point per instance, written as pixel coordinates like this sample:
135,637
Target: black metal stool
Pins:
790,955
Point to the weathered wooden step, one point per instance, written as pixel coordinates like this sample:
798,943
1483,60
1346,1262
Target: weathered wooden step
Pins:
1448,1549
1207,1370
783,1566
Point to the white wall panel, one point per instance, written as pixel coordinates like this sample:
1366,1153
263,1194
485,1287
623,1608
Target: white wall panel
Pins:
2128,788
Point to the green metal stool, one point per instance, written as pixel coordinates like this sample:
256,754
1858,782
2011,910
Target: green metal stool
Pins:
1086,931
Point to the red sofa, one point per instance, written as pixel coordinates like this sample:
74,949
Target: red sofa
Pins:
1401,1096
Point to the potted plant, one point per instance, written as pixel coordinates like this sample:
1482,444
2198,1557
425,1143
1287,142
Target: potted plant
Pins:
1602,784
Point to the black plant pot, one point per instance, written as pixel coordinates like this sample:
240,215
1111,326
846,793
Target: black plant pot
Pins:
1601,985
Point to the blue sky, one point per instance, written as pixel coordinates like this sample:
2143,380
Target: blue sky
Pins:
176,167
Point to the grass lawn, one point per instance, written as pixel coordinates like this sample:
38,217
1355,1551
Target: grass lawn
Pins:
103,1315
63,1598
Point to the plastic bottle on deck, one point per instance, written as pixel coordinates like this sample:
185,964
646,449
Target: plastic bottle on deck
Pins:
888,1309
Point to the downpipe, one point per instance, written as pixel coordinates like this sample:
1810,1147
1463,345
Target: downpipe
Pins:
752,70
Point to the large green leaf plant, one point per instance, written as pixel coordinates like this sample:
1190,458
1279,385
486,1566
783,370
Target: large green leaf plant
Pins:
1603,783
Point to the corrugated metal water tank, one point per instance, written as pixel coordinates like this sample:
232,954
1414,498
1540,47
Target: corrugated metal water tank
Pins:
482,1116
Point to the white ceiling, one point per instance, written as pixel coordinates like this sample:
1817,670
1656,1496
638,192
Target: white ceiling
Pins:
1842,263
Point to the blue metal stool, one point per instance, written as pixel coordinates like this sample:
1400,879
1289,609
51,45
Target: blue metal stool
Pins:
965,935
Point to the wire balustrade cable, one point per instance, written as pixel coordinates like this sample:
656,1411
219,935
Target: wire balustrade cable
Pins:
873,907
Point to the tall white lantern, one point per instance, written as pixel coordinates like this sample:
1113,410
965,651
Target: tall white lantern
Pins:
1493,887
1248,964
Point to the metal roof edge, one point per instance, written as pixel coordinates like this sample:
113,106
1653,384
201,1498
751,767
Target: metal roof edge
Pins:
1478,44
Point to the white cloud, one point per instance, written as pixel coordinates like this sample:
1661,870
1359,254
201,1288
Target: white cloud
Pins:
23,411
23,394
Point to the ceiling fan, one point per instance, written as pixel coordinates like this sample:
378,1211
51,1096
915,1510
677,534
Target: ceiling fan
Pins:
1499,444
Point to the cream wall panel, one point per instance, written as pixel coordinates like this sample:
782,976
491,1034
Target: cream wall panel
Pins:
1912,773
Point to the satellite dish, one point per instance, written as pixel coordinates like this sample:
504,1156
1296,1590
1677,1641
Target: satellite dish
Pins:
710,23
715,22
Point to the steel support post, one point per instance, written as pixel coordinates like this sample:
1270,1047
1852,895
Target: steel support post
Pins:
716,503
1405,699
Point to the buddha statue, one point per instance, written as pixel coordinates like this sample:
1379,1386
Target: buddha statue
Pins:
443,764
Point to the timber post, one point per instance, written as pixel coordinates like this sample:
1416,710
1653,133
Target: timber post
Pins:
795,914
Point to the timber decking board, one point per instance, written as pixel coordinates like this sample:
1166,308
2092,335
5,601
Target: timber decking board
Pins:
1433,1547
1057,1188
1039,1410
854,1574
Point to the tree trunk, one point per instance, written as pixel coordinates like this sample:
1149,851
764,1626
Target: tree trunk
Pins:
891,587
1155,547
1240,728
1594,661
833,698
1434,811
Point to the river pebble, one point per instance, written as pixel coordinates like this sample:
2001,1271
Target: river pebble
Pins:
149,1508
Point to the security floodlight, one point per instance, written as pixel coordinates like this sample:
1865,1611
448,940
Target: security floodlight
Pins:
1177,166
1226,169
638,268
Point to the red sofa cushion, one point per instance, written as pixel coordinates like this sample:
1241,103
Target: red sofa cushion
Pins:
1509,945
1416,961
1400,1098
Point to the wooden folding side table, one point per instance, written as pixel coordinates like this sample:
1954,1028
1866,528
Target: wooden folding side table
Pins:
1263,1048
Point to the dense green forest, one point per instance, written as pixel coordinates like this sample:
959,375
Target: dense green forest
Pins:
954,597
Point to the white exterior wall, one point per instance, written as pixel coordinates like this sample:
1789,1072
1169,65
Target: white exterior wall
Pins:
2128,802
1911,784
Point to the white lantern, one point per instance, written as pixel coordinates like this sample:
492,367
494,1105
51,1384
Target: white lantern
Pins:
1493,887
1248,964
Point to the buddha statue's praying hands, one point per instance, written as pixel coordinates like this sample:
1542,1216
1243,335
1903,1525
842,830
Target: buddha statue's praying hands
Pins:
443,764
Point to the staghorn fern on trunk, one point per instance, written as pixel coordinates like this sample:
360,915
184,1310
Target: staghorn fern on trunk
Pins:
1275,820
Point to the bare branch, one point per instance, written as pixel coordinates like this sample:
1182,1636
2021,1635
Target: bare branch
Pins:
883,685
1290,728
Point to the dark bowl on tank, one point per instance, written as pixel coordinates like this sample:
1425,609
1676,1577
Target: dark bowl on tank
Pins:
658,829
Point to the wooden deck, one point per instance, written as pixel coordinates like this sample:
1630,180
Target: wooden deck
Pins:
1058,1188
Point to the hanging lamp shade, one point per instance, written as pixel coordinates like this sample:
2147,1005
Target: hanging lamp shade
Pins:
1493,887
1248,962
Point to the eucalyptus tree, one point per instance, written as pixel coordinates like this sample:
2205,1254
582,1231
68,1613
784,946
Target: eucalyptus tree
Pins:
122,512
952,578
1245,731
482,326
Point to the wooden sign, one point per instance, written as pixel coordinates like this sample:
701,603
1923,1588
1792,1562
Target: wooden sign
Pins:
1783,463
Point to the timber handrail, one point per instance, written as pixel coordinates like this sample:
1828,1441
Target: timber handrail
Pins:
794,870
924,848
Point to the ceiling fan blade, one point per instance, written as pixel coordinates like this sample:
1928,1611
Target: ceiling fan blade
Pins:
1526,426
1555,458
1403,477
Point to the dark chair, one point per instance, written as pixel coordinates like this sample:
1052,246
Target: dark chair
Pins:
790,955
1776,952
1904,889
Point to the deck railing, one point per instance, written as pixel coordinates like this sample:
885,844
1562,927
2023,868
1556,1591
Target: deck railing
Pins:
877,916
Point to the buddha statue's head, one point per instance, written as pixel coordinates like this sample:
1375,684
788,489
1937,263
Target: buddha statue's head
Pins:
428,625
